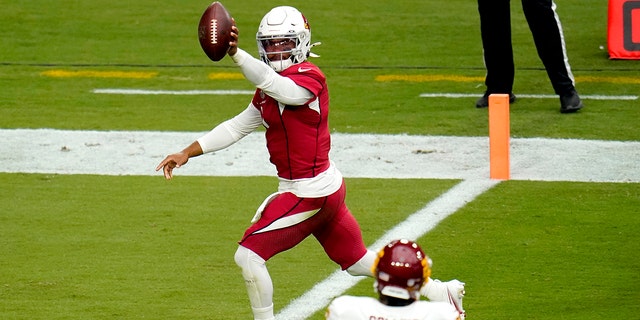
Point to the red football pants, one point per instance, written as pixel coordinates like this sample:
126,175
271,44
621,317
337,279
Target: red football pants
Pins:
288,219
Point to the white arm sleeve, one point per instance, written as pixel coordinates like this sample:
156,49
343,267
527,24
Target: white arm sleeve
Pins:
232,130
263,77
451,291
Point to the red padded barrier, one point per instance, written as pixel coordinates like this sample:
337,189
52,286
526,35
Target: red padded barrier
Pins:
624,29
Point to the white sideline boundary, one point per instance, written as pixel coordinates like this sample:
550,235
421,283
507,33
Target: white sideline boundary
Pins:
356,155
128,91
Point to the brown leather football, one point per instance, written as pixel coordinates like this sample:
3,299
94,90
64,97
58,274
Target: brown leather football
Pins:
214,31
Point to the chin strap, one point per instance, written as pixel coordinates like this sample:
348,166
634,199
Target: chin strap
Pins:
311,54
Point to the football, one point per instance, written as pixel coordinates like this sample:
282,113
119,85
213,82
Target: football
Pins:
214,31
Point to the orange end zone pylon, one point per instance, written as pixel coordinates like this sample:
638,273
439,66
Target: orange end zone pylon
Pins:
499,133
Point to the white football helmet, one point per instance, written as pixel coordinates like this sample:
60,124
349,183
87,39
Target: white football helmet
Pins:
285,22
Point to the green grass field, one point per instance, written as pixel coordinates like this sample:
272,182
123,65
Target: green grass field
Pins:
134,247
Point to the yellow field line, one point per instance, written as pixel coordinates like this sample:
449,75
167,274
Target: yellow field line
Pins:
631,80
427,78
99,74
381,78
226,76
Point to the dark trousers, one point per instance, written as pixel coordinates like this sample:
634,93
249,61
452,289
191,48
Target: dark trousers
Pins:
495,28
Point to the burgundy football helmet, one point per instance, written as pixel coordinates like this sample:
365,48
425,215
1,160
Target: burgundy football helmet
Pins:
401,269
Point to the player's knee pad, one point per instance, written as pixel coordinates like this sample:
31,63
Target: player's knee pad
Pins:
245,258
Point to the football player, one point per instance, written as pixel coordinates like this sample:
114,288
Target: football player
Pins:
292,103
401,270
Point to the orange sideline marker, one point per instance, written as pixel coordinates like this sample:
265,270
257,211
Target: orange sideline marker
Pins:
499,136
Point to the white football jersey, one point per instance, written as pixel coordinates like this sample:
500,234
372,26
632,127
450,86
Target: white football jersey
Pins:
368,308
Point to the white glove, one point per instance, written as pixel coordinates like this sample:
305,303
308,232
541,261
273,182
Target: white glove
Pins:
450,291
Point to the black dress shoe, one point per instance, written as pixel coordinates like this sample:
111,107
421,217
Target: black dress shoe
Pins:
484,101
570,102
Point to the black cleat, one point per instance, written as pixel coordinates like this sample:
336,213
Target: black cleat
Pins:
570,103
484,101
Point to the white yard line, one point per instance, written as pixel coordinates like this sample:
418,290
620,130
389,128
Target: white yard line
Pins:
174,92
414,227
129,91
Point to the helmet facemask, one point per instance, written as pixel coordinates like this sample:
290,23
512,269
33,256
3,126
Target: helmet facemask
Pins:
281,52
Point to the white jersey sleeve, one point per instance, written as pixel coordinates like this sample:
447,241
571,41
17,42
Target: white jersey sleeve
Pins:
366,308
232,130
281,88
